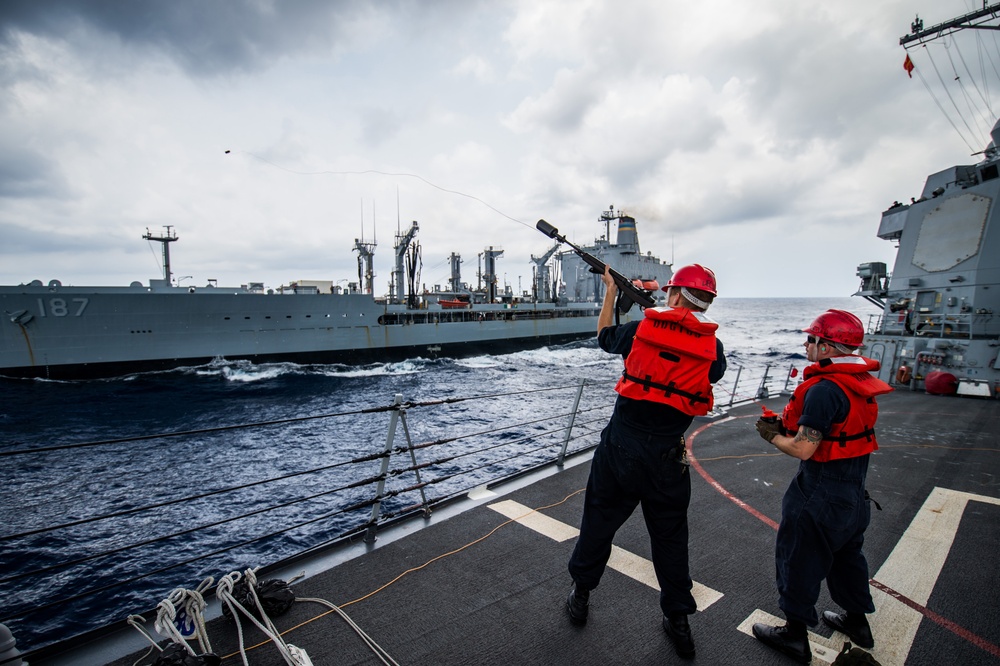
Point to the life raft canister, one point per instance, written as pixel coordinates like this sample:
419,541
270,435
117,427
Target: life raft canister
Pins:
939,382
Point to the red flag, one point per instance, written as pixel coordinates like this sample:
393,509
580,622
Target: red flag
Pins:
908,66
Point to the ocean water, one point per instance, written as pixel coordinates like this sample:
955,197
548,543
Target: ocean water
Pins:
65,485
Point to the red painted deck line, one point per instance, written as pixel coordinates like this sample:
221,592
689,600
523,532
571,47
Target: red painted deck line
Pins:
718,486
944,622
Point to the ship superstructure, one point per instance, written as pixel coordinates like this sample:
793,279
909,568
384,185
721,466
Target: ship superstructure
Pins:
580,285
941,303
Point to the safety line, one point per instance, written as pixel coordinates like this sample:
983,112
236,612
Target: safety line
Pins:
285,421
941,621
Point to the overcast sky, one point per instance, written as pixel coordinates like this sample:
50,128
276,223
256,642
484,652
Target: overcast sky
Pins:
762,139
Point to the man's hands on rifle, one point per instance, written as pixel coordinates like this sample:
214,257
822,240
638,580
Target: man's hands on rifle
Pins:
609,281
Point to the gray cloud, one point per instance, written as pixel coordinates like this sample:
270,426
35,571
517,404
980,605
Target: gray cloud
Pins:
380,125
204,38
116,115
28,173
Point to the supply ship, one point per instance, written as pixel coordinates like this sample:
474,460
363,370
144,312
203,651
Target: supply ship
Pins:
56,331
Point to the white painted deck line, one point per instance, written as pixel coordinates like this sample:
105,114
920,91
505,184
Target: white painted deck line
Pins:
539,522
635,567
824,650
913,568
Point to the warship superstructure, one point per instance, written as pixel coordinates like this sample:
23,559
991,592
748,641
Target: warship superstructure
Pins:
941,303
583,286
56,331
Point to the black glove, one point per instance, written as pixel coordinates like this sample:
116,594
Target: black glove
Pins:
768,429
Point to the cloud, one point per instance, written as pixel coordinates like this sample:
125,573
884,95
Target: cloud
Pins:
204,38
741,126
25,172
476,67
380,125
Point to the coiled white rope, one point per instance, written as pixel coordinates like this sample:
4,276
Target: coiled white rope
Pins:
180,608
292,655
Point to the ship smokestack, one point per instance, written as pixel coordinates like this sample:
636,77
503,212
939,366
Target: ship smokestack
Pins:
627,234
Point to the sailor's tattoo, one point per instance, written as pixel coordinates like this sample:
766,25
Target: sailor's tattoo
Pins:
810,435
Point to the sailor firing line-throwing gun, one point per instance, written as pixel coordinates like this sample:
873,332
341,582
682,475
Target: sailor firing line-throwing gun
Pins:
628,293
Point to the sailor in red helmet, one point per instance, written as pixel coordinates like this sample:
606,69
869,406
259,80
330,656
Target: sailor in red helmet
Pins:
672,358
829,422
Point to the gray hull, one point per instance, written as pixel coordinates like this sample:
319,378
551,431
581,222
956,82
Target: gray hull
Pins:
64,332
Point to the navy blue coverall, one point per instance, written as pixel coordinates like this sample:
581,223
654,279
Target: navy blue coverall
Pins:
824,515
640,460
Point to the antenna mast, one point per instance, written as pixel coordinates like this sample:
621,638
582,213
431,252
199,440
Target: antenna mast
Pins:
165,241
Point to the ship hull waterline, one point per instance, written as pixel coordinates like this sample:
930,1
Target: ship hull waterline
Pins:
81,333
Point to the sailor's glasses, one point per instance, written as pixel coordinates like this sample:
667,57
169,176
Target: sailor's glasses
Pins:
811,339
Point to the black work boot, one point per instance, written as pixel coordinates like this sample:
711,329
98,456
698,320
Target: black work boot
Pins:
578,605
855,625
794,643
677,627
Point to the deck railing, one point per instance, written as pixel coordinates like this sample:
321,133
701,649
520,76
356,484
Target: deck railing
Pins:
434,452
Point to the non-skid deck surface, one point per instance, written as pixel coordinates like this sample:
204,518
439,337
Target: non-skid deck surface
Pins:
932,549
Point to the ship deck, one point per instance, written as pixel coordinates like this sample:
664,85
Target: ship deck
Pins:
487,585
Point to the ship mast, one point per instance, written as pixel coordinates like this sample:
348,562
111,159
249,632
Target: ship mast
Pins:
943,29
972,108
165,241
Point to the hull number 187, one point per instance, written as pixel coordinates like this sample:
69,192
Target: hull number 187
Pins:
60,307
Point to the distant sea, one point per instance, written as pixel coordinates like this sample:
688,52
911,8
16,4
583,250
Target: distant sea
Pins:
55,487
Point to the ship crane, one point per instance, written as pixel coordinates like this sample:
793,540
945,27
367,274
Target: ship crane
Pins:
455,260
542,286
488,275
403,241
414,262
366,273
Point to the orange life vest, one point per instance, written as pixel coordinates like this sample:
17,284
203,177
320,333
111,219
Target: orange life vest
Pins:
672,352
856,435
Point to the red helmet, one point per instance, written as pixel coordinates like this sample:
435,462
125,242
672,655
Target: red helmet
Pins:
695,276
838,326
648,285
